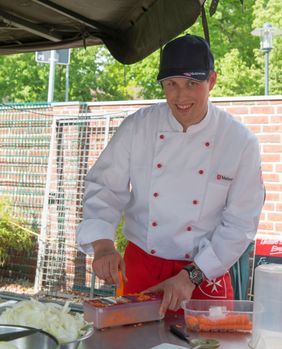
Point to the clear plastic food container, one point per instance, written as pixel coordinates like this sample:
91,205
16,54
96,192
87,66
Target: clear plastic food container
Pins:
218,315
124,310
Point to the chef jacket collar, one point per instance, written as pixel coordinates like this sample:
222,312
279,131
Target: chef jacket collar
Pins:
176,126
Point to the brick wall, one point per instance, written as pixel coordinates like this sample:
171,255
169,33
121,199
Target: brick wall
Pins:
262,115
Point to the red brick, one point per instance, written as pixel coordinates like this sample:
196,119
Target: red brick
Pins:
272,128
266,226
255,128
278,228
253,119
268,167
234,110
270,157
269,138
262,110
273,187
278,167
276,119
269,206
273,148
276,217
271,177
272,196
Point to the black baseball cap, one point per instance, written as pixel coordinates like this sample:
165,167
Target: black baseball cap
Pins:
186,56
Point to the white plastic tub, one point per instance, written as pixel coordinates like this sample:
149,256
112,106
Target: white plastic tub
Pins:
218,315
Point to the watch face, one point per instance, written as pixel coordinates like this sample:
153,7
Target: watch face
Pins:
195,274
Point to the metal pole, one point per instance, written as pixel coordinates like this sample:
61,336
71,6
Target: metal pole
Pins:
266,73
45,213
51,76
67,83
107,128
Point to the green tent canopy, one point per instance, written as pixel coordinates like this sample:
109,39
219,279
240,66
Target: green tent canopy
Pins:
131,29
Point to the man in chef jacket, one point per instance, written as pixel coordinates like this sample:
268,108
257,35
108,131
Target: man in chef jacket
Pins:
187,177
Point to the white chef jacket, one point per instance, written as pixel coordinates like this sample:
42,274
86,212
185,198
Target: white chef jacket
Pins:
194,195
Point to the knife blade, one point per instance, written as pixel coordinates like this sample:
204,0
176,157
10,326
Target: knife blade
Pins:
197,343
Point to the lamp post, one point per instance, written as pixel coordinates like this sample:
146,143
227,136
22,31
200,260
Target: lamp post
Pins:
266,34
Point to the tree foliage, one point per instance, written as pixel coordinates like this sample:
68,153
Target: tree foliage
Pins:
95,75
270,11
12,233
120,239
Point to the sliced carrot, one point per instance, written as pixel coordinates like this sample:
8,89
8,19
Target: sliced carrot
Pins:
230,323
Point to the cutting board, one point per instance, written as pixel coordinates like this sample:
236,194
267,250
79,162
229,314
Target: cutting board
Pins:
168,346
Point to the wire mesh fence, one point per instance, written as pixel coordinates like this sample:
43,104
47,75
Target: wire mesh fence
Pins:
44,159
25,137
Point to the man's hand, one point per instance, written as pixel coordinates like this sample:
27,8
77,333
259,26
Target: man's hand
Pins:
108,262
175,290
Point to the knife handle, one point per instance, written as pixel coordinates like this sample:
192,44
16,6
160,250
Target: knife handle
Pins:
179,333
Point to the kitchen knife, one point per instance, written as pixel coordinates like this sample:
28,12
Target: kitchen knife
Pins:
196,343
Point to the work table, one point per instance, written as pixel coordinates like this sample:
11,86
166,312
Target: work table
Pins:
150,334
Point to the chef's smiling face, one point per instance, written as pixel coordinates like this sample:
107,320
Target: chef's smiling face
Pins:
188,98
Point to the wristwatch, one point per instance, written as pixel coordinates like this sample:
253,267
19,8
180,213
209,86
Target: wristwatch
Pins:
195,274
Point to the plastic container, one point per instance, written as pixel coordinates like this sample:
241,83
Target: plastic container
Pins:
267,326
116,311
218,315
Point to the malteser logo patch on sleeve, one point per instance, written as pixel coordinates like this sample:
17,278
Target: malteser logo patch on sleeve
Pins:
222,177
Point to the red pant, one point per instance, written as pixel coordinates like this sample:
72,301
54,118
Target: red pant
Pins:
144,270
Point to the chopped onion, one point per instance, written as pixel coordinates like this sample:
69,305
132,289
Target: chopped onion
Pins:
7,345
49,317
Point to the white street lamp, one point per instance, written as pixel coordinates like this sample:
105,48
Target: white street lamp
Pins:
266,34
